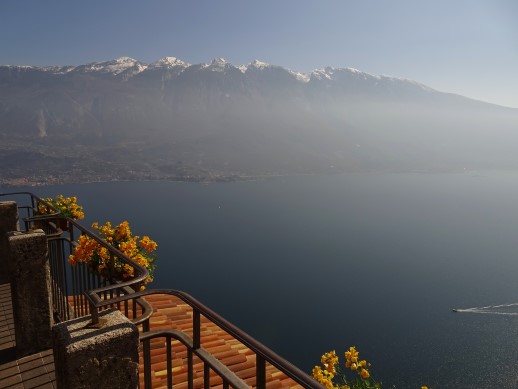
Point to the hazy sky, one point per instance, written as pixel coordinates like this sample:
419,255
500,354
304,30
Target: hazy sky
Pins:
468,47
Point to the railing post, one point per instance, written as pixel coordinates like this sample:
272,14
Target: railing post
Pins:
93,357
8,222
260,372
147,357
196,329
94,313
190,366
29,273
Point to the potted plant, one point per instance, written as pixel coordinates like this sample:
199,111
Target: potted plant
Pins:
99,261
66,206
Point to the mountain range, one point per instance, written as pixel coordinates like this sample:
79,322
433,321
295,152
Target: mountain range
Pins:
124,119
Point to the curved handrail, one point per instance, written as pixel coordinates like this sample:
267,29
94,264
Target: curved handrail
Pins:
258,348
141,272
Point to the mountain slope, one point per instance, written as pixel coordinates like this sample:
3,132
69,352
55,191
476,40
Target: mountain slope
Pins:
124,119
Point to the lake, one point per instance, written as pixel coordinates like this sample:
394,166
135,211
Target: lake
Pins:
314,263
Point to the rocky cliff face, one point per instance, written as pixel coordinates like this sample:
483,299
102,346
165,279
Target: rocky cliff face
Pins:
170,119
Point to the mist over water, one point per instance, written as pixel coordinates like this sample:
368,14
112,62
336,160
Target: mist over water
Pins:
314,263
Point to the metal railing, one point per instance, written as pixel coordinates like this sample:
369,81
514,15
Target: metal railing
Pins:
262,353
69,283
90,294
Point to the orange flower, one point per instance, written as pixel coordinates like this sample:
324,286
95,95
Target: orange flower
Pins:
100,260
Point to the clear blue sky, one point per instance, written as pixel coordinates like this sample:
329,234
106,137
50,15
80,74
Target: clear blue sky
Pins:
468,47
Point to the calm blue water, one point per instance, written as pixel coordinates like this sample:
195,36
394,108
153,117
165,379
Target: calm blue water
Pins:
309,264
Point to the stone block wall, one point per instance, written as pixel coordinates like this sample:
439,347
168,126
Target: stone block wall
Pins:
103,356
29,274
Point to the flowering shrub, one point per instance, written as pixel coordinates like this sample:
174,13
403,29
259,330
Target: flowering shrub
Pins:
67,206
98,258
331,371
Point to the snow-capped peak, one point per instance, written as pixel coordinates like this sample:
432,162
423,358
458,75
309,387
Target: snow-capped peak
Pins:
259,64
219,61
115,66
125,68
218,65
126,60
354,70
168,62
300,76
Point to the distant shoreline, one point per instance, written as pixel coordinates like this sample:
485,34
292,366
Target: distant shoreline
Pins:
6,183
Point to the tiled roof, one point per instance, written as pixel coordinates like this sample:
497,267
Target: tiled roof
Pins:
169,312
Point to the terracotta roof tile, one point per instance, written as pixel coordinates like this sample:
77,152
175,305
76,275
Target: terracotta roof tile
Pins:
169,312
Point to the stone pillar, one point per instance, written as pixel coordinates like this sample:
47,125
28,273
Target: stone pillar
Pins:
103,356
29,274
8,222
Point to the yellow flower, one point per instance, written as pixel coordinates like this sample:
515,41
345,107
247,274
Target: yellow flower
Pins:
317,373
148,244
103,253
328,384
329,360
123,231
98,258
365,373
72,260
128,272
352,354
67,207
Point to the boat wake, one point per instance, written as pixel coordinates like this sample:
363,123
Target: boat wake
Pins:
489,310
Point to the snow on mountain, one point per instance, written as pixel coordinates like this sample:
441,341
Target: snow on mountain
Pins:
168,63
259,64
336,74
27,67
303,77
219,65
125,68
255,64
115,67
322,74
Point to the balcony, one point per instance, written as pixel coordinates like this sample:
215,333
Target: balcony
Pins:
183,343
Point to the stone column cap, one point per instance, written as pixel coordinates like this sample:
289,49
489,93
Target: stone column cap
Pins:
7,202
21,234
79,334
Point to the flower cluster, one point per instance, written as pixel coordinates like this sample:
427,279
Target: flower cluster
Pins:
67,206
331,371
99,260
325,376
354,364
332,377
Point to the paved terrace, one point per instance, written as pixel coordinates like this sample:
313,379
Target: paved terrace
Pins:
37,371
33,371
